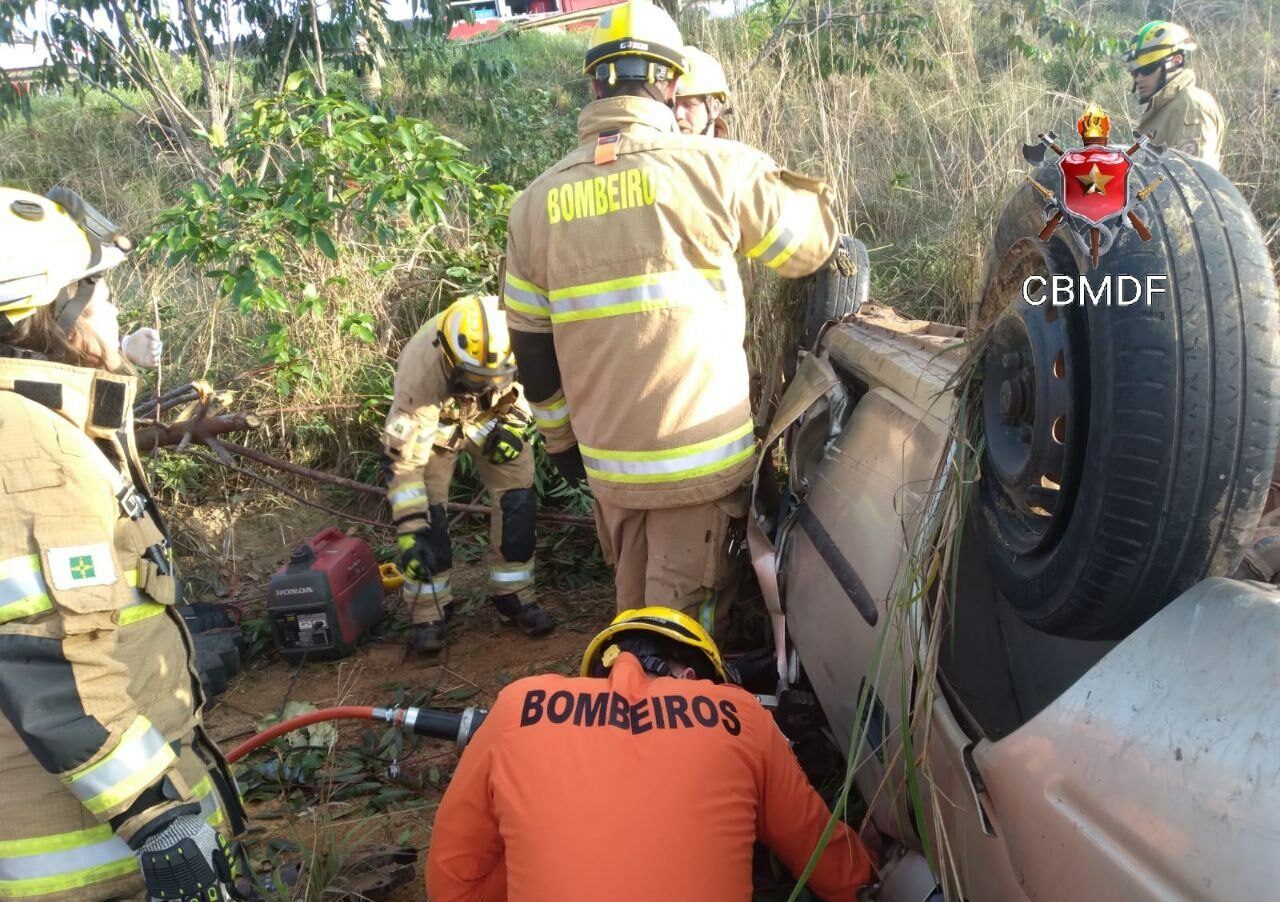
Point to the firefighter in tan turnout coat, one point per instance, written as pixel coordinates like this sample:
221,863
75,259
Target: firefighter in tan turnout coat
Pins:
108,782
455,391
628,317
1178,113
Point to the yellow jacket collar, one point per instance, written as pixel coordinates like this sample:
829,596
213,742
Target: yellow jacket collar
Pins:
1182,80
97,402
625,113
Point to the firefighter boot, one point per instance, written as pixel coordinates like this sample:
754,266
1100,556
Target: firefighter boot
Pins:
428,638
532,620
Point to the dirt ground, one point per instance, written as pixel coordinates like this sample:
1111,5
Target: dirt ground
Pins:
482,657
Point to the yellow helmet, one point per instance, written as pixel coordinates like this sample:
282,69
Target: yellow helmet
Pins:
48,245
1157,41
477,346
638,42
660,621
704,76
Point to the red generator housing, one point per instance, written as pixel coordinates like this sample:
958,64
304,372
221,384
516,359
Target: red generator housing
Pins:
325,598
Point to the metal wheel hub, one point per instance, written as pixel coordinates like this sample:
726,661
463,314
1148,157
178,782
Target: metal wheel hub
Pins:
1029,411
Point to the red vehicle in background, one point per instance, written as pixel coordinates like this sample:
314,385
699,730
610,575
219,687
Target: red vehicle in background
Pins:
490,15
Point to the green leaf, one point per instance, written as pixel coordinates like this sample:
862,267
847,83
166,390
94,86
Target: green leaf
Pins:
267,264
325,243
382,267
457,695
294,81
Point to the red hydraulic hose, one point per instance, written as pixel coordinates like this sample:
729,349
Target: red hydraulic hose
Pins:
343,712
447,725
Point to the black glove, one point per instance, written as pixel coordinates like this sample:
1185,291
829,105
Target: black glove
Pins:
187,859
504,443
569,463
418,560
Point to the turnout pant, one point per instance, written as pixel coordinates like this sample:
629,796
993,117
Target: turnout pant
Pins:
513,506
679,557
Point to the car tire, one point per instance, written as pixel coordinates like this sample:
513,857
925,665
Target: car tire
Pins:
1175,409
832,294
217,658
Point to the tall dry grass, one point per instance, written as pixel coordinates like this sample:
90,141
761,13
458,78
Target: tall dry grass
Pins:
921,162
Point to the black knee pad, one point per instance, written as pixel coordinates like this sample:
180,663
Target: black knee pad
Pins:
519,507
438,538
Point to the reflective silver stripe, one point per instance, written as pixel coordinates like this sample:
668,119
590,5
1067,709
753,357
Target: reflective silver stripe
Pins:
137,760
66,861
786,238
23,591
667,466
679,288
477,434
511,576
555,414
401,497
210,810
525,297
64,858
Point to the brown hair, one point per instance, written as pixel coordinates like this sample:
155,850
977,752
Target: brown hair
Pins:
41,335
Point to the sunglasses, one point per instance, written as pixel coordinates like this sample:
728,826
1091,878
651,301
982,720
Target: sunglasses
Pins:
1148,69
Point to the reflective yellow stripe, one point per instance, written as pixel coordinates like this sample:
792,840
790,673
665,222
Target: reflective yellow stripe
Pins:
408,493
210,810
671,464
776,248
707,612
525,297
140,611
635,294
69,880
142,607
139,759
23,591
65,861
554,414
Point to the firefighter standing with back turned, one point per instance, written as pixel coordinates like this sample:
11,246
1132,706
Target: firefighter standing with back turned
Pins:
455,390
648,777
628,317
1178,113
109,785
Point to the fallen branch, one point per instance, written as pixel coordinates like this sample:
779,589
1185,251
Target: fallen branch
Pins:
166,435
167,400
352,484
296,496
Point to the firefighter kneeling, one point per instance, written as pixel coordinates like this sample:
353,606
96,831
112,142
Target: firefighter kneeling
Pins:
110,785
648,777
455,389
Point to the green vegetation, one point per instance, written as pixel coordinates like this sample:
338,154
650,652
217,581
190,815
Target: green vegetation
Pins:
317,232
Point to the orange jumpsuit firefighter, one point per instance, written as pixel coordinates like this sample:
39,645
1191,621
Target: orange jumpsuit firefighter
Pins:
628,317
454,391
109,783
632,786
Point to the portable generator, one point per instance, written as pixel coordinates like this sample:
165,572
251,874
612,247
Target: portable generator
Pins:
325,598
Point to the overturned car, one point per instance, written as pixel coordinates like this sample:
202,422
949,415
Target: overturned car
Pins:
1010,563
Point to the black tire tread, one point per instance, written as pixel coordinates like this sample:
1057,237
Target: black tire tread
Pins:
1202,389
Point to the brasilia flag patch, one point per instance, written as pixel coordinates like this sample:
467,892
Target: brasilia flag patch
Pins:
81,566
